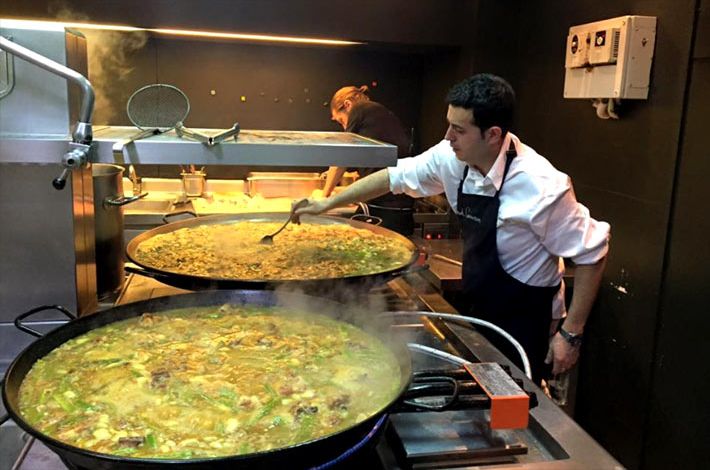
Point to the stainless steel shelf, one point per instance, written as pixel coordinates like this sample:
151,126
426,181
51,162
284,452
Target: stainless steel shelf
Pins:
251,147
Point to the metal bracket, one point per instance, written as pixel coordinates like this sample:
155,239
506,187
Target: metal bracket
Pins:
7,77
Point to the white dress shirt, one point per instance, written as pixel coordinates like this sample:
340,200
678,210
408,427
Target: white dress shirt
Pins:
539,219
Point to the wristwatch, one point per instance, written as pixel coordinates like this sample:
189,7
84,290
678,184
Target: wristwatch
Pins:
572,338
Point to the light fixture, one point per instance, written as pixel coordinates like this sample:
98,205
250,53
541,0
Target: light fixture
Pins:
60,25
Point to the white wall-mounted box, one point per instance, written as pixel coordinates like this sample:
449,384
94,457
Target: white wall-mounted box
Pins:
610,58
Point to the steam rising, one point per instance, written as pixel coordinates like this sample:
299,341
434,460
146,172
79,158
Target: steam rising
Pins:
109,54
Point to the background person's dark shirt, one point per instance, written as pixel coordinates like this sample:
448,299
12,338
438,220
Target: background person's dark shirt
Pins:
373,120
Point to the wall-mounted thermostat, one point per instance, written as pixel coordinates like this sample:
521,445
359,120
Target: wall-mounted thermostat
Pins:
610,58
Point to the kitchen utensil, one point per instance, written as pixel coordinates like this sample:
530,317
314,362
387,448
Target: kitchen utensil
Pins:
193,182
182,131
154,109
159,108
269,239
108,225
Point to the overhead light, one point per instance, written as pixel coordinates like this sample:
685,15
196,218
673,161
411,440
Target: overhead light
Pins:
253,37
60,25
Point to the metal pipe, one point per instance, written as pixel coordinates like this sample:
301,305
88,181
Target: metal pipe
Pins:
437,353
476,321
87,91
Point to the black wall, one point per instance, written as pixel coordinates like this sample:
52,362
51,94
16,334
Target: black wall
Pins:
284,87
679,412
440,22
263,86
625,172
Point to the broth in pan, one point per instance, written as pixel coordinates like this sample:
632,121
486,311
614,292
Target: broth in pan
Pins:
209,382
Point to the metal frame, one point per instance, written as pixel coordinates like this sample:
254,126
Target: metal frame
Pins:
9,73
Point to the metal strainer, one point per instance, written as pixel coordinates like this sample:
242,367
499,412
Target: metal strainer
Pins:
159,108
154,109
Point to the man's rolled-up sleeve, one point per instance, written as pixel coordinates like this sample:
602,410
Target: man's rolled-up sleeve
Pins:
570,231
418,176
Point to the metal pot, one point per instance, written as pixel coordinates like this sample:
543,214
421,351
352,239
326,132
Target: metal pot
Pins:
108,221
398,219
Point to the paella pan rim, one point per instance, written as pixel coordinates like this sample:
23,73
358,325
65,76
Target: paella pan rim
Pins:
21,365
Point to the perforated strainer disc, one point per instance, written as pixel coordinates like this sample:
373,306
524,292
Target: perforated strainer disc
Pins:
158,106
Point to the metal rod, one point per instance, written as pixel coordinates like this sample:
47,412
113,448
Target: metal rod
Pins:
87,91
447,259
23,453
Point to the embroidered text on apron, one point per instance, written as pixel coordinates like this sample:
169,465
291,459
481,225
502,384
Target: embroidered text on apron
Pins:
522,310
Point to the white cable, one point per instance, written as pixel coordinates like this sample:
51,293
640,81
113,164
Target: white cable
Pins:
437,353
475,321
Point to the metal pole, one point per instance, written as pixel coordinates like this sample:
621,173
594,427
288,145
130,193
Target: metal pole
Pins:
87,91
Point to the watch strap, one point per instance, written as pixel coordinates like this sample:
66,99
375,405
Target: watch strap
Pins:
571,338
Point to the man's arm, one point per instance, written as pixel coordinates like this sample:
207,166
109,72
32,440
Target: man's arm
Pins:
363,189
335,173
587,279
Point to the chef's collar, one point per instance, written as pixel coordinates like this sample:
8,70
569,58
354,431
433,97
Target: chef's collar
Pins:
495,174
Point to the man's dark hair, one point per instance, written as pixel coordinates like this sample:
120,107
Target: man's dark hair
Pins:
489,97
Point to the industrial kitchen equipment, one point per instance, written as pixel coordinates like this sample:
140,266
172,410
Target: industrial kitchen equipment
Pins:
46,140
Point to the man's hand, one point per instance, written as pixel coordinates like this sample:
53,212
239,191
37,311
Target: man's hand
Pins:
313,207
564,355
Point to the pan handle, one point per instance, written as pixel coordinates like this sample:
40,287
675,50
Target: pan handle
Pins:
22,327
167,217
368,219
144,272
436,386
6,416
122,200
417,268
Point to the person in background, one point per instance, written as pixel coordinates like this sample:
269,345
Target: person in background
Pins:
355,112
519,216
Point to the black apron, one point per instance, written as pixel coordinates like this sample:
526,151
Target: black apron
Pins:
522,310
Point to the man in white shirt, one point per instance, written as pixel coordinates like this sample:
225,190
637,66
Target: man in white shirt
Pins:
519,218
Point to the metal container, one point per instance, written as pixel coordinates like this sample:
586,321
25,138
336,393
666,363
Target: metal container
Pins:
193,184
108,223
277,184
108,226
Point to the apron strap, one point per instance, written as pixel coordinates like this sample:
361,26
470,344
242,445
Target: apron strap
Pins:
510,154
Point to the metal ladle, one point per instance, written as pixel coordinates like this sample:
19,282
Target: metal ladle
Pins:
269,239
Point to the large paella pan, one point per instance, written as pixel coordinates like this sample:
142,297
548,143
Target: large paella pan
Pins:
181,394
224,252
